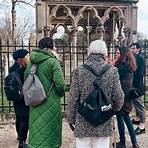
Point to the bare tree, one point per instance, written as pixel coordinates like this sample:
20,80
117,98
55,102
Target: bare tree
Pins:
11,4
24,27
13,11
5,29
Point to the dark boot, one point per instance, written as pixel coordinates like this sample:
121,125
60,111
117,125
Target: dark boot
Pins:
120,145
139,131
135,145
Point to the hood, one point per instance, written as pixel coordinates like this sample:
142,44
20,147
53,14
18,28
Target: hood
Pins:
39,55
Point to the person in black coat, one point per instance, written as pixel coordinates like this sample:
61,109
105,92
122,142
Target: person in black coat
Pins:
126,65
138,83
21,57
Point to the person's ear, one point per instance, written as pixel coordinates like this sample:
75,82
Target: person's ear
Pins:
138,49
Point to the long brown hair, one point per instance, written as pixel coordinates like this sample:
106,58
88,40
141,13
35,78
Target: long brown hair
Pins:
127,57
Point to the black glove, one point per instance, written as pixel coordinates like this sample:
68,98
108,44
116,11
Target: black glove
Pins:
72,126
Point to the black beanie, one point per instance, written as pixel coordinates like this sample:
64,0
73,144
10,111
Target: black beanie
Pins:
46,43
20,53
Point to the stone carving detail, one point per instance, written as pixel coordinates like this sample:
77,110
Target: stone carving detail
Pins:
74,20
101,31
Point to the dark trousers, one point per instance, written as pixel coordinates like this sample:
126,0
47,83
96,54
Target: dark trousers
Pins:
122,118
139,108
22,125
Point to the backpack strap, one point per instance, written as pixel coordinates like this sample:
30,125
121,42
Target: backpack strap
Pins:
104,69
34,68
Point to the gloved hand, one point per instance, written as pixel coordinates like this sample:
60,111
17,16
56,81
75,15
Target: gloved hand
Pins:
72,126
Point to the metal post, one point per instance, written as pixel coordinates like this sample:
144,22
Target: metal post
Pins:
75,48
88,25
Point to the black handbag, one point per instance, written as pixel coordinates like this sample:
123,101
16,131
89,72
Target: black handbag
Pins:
96,108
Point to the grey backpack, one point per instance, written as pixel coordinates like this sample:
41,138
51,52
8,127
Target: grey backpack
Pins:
33,90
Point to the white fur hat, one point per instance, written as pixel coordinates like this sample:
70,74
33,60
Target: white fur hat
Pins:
97,46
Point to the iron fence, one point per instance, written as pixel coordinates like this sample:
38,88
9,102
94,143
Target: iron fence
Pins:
71,57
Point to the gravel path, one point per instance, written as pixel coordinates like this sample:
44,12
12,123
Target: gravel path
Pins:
8,137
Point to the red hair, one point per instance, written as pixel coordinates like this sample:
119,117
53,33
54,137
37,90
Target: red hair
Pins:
127,57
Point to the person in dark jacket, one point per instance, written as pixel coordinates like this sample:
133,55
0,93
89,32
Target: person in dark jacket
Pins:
21,57
126,65
138,83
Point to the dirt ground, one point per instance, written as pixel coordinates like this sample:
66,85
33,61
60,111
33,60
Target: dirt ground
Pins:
8,136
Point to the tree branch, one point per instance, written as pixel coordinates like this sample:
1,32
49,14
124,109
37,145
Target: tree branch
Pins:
27,3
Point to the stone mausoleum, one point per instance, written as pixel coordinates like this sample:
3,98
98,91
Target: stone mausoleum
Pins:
114,21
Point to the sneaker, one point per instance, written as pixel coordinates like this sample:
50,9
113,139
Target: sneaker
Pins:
135,145
135,122
139,131
120,145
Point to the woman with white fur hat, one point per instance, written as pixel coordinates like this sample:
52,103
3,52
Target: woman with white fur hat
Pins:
88,136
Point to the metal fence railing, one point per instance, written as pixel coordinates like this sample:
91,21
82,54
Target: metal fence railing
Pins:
71,57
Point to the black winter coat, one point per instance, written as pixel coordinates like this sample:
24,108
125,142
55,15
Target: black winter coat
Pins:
19,107
139,73
126,79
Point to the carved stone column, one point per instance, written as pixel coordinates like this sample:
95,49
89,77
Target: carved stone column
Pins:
74,44
101,32
40,19
127,36
48,31
120,26
134,23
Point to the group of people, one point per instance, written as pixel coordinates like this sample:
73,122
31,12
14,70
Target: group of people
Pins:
45,121
126,72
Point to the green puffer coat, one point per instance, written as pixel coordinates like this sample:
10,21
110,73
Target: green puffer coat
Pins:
45,121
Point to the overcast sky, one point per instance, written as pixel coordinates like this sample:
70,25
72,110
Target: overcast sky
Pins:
142,15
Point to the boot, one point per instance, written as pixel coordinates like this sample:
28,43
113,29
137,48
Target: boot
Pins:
120,145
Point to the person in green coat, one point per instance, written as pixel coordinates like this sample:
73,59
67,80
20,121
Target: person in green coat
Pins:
45,120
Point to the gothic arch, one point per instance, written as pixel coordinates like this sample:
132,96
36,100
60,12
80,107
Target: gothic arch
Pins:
107,12
80,13
54,12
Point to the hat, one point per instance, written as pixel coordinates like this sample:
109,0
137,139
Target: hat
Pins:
97,46
46,43
20,53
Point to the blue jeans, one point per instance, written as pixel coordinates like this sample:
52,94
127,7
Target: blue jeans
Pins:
121,118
